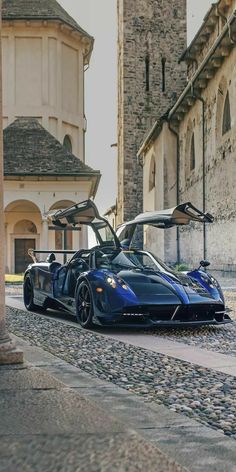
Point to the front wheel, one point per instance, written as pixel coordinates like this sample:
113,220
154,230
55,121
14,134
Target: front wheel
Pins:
84,306
28,293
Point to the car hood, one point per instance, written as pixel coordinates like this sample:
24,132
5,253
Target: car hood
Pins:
179,288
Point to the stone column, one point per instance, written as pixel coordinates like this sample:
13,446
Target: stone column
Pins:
8,353
44,240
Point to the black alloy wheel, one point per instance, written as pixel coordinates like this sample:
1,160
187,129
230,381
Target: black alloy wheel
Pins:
28,292
84,306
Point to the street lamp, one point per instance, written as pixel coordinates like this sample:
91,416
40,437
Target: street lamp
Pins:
8,353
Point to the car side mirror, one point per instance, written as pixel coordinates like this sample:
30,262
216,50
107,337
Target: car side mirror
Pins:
204,263
51,257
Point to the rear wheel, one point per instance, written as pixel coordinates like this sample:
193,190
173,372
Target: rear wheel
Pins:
28,293
84,306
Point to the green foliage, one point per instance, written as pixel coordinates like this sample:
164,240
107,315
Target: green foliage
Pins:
181,267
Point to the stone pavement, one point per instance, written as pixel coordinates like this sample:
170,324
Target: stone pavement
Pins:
45,426
54,417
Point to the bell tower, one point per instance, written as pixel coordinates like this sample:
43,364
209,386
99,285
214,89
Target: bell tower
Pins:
152,35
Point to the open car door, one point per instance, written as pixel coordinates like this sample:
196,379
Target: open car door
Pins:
180,215
86,213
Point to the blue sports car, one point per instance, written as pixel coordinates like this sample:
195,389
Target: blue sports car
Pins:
114,284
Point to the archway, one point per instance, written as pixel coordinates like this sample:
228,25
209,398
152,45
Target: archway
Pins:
24,231
22,223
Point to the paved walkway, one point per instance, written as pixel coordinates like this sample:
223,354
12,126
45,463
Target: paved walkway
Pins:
46,426
54,417
202,357
62,419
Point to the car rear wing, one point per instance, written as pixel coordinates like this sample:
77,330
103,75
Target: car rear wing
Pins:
32,252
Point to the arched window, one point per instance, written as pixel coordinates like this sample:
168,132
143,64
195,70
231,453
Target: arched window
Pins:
226,125
25,227
147,72
67,143
163,73
192,153
152,174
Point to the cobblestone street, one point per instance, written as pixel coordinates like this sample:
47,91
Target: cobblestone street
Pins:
204,394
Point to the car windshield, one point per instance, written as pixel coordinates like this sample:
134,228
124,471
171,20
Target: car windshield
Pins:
103,232
118,259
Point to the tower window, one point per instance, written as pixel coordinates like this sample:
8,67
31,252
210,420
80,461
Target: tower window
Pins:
226,126
192,153
163,73
147,72
67,143
152,174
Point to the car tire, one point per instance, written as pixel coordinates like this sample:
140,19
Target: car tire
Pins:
28,294
84,305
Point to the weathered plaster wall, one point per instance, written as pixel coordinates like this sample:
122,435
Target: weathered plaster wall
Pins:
164,194
220,174
220,170
43,74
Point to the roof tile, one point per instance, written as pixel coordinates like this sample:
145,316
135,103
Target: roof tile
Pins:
29,149
38,10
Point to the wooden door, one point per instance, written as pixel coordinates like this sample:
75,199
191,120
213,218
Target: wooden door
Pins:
22,259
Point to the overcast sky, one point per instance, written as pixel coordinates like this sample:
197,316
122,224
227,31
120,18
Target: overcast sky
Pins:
98,17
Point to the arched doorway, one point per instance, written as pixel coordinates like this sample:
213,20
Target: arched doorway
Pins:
23,223
26,231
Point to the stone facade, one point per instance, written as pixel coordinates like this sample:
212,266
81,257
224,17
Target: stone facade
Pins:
151,38
197,162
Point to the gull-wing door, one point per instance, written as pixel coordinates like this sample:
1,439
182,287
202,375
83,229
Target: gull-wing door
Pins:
86,213
180,215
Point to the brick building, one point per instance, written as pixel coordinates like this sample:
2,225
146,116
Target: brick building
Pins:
151,38
190,154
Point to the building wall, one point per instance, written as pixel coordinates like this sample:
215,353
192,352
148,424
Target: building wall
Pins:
220,167
43,78
163,194
151,38
31,201
220,170
43,75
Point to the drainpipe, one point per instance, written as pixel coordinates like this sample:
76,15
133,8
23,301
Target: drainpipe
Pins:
231,36
198,97
221,14
84,116
177,185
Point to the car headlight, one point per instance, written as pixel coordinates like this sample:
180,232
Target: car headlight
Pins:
112,281
210,281
214,281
